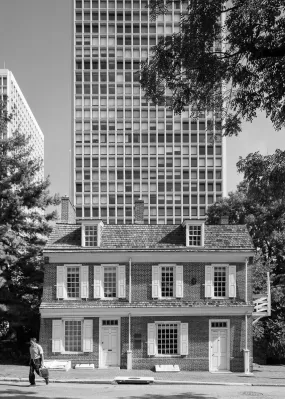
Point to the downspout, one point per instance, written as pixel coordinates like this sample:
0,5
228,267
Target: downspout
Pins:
129,332
246,263
130,280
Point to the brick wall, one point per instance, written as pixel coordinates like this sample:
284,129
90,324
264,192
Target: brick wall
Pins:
198,343
142,282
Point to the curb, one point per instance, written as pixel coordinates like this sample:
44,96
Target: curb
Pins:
156,382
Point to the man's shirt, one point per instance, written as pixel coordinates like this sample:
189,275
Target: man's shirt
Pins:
36,351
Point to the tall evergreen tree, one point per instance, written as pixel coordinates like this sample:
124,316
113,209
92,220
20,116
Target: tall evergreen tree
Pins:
24,228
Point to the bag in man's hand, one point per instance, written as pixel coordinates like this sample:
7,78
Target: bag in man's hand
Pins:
44,373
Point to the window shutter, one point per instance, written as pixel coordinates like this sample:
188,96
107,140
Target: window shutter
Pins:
84,282
179,282
184,339
60,282
98,282
57,336
151,341
121,281
88,335
155,282
232,281
208,282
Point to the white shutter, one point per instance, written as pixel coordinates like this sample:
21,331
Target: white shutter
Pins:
208,282
155,282
121,282
151,339
57,336
88,335
179,282
184,339
232,281
84,281
98,292
60,282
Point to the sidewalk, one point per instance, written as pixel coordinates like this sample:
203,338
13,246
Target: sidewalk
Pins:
273,375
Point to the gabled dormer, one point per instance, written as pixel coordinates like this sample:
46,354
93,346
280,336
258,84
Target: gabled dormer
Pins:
194,233
91,231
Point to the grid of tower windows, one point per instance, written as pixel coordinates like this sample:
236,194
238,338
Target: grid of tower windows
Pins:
73,336
167,339
220,278
124,147
73,282
90,236
110,282
167,281
195,235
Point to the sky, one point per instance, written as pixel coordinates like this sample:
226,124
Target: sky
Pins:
35,44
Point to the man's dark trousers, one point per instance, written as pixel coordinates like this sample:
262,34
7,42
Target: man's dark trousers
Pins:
34,367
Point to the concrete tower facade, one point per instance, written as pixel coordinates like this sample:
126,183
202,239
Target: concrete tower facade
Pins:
23,118
123,147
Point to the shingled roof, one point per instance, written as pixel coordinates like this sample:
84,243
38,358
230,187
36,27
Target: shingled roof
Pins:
67,237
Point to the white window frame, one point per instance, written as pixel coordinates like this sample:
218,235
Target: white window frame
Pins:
157,283
230,281
63,335
199,223
85,223
181,326
61,281
98,284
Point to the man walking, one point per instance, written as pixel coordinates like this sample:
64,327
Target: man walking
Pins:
36,360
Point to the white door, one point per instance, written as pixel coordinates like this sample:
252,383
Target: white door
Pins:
110,346
219,350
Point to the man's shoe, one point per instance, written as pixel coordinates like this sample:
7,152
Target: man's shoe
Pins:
47,381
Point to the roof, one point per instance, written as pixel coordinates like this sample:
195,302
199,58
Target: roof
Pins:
142,237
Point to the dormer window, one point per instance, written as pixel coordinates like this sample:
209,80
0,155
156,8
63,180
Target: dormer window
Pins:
194,233
90,233
91,236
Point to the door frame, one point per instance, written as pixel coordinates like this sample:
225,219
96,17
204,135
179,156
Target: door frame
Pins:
118,339
228,342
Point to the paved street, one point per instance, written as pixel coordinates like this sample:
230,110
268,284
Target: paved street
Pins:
12,390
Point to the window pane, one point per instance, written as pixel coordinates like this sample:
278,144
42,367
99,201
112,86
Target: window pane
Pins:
167,339
195,235
90,236
110,280
219,281
167,284
73,336
73,282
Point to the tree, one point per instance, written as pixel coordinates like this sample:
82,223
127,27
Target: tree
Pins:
227,58
259,201
24,228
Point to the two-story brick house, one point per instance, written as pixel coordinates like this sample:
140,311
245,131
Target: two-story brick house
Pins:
136,296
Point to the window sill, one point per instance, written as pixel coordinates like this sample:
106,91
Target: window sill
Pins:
167,356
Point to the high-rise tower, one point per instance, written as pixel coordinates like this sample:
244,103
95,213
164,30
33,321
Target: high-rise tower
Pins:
23,117
123,147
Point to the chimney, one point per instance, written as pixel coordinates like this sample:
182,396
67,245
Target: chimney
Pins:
224,219
139,211
68,214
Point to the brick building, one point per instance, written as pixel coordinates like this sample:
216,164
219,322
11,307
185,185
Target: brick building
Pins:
139,295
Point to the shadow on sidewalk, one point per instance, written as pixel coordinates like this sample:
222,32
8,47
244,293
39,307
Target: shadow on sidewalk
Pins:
177,396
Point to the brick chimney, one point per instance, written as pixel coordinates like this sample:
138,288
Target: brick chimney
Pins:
68,214
139,211
224,219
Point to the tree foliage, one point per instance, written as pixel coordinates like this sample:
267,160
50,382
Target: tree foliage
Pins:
259,201
227,57
24,228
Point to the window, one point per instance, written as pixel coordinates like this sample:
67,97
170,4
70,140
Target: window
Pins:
167,339
90,236
72,282
220,281
90,232
72,335
167,281
109,281
194,230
